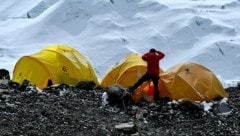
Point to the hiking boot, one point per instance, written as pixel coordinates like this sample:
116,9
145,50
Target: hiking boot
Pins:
156,98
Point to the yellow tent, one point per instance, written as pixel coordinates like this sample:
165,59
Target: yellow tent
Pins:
177,88
192,81
59,63
126,72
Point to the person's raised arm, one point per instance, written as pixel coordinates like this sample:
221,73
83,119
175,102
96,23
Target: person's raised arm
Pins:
160,54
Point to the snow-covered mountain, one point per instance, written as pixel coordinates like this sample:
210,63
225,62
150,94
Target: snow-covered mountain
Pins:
201,31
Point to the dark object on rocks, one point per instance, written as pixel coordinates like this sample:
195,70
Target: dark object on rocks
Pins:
117,95
4,74
57,89
191,105
221,109
13,84
52,90
24,85
86,85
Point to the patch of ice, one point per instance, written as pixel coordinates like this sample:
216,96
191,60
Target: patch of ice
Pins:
207,106
104,99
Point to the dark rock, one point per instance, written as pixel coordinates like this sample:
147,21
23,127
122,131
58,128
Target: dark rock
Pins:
23,85
4,74
118,95
13,84
222,109
86,85
191,105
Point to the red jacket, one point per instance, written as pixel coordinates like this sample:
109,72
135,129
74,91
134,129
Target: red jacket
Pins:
153,62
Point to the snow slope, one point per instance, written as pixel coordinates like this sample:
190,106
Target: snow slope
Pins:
201,31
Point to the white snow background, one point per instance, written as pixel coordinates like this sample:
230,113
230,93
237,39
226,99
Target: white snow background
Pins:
104,31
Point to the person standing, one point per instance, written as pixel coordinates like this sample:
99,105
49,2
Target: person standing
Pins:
152,58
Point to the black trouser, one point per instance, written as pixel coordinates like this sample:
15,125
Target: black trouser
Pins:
147,77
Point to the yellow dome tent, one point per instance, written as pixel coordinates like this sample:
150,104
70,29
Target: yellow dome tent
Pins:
126,72
192,81
58,63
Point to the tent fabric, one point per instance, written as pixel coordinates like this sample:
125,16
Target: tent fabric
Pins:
192,81
144,92
59,63
178,88
126,72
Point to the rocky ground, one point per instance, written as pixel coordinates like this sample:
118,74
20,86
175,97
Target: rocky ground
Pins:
69,111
